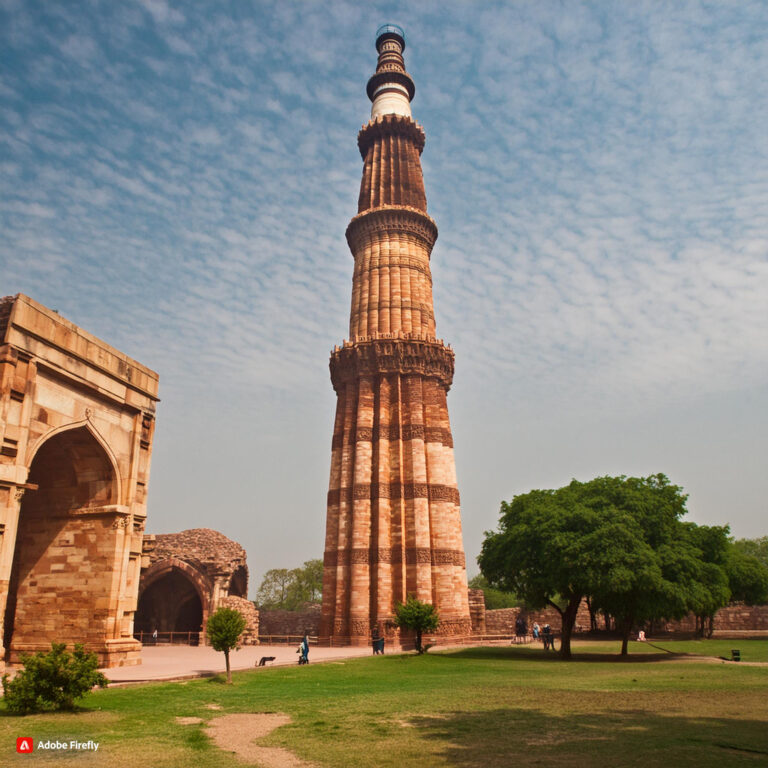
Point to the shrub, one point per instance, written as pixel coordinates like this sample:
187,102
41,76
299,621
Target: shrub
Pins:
52,680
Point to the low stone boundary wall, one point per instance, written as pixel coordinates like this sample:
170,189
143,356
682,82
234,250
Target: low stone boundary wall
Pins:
502,620
734,618
290,622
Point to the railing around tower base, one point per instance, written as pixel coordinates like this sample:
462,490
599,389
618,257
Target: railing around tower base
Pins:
168,638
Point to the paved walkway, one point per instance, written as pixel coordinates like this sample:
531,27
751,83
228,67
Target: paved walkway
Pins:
176,662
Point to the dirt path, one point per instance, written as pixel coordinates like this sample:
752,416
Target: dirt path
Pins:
238,734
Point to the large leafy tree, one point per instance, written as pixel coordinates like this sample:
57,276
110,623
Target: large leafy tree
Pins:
308,583
710,583
747,576
618,541
275,588
757,548
289,588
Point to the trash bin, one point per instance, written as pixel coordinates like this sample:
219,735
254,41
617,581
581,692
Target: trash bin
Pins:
735,655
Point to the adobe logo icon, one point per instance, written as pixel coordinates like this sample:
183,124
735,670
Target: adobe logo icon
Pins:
24,744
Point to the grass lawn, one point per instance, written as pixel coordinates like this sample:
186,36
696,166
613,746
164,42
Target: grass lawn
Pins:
477,707
751,650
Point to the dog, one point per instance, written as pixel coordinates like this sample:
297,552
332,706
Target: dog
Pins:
264,659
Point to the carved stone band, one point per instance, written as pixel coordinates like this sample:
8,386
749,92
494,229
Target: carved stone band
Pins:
396,490
387,262
406,357
394,432
413,556
390,221
400,125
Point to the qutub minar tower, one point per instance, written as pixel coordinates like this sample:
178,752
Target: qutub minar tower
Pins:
393,526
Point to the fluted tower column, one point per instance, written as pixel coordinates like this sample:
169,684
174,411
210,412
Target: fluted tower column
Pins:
393,524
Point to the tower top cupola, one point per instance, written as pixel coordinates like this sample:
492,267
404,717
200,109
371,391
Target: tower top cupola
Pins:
391,88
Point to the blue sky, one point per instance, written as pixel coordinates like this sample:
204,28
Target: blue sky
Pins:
177,177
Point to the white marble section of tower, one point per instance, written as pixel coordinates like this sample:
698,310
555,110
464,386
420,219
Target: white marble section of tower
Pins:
391,88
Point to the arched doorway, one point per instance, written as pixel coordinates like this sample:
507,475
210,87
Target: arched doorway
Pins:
238,585
65,549
171,605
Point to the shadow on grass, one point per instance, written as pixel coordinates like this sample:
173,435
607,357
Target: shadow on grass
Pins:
539,655
76,710
522,737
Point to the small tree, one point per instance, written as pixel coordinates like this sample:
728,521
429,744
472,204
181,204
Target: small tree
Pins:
418,616
224,630
53,680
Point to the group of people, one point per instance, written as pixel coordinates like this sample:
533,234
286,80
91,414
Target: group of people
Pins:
546,634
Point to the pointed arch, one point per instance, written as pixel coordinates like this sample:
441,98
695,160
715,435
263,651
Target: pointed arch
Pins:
96,435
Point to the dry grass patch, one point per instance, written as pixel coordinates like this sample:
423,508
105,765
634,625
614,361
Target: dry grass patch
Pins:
239,733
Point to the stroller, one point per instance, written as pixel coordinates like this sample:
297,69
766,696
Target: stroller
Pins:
302,654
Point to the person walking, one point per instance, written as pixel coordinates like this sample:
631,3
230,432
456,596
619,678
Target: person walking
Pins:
536,629
305,648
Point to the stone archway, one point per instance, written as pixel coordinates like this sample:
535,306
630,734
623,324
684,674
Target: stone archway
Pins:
76,431
65,546
170,604
174,597
213,564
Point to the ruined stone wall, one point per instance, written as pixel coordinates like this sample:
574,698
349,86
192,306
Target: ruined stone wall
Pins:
477,611
736,617
290,622
251,634
214,565
214,551
502,620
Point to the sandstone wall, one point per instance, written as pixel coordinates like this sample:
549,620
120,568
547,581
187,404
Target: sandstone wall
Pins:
251,634
736,617
502,620
477,611
290,622
732,618
76,431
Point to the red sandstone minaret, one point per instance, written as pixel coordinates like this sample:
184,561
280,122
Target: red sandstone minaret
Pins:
393,525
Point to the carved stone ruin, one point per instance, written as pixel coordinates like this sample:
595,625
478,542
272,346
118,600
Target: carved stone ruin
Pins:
76,424
187,576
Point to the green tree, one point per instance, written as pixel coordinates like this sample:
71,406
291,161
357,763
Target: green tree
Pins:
711,590
757,548
307,585
224,630
747,576
52,680
288,589
417,616
275,588
617,541
494,598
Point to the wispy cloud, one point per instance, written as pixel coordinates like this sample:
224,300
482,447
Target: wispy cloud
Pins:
177,179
